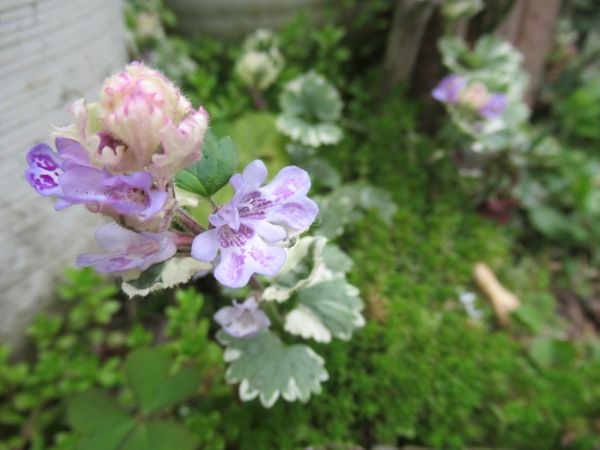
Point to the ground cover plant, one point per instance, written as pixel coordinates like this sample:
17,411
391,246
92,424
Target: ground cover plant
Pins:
334,306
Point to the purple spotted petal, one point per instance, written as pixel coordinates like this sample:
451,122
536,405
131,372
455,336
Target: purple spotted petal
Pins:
494,108
297,214
126,194
44,170
128,250
243,320
251,255
248,227
291,181
44,182
42,157
448,89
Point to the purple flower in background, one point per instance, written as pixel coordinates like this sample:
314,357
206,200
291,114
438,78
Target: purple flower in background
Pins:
247,228
70,177
449,88
494,107
127,250
243,320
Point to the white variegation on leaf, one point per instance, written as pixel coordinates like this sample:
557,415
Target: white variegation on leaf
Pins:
297,270
310,106
326,304
326,309
267,369
165,275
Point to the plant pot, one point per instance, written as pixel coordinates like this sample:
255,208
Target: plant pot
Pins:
51,53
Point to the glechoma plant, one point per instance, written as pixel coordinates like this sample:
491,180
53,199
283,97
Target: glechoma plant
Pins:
127,157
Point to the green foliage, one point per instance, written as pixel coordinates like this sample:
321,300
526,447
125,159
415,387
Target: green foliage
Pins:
104,425
579,112
213,170
266,368
310,106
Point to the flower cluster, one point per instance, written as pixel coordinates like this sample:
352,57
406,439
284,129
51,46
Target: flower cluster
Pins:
120,154
474,96
120,158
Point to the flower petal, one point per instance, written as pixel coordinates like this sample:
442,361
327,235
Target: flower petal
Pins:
238,264
289,182
44,182
254,175
297,214
205,246
42,157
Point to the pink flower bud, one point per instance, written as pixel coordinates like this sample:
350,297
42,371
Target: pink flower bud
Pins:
137,105
475,96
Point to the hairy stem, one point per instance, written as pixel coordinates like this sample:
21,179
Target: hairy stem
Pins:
189,222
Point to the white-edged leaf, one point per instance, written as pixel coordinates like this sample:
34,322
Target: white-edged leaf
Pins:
166,275
332,305
310,107
266,368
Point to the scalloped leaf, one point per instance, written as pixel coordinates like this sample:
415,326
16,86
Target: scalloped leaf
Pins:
325,310
164,275
214,169
268,369
310,107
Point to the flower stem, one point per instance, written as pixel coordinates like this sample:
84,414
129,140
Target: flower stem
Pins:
189,222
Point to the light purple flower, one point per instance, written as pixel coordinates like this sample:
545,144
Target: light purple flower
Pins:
494,107
127,250
70,177
449,88
243,320
247,228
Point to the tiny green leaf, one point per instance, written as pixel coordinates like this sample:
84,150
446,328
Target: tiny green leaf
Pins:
213,170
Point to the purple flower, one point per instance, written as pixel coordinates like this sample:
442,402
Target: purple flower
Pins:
247,228
449,88
494,107
70,177
127,250
243,320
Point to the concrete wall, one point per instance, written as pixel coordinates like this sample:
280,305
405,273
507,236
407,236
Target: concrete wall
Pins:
51,52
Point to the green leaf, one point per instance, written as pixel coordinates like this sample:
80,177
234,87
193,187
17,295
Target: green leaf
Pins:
257,137
164,275
268,369
310,107
548,221
160,435
179,387
348,203
323,310
147,371
93,411
213,170
108,438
